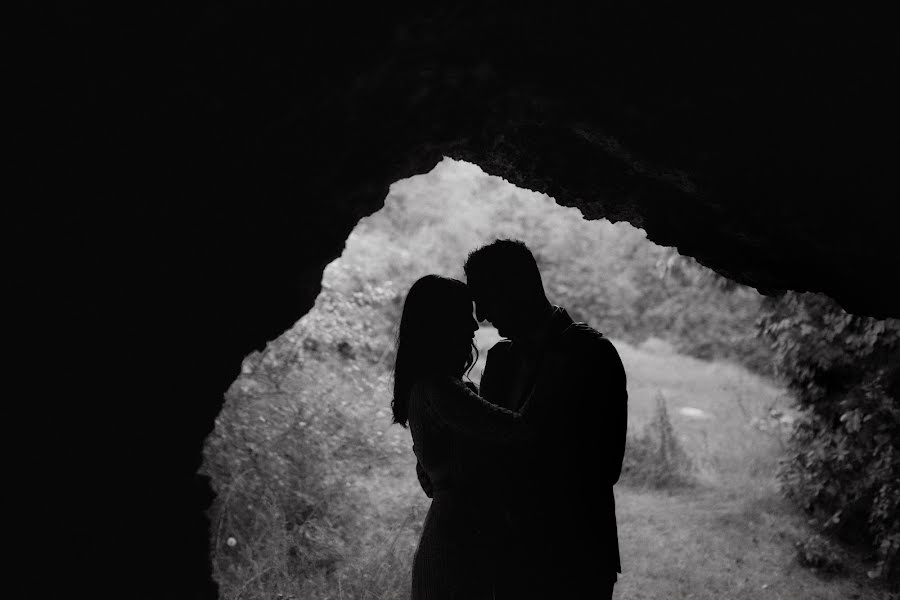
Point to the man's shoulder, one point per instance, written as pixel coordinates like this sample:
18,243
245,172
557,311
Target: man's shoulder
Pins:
579,333
583,339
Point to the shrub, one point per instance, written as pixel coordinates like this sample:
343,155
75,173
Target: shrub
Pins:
843,464
818,553
282,459
704,314
655,458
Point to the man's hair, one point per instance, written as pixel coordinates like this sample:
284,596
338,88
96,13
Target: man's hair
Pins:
507,261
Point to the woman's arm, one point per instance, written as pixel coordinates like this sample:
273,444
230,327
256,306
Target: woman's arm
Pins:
424,480
449,402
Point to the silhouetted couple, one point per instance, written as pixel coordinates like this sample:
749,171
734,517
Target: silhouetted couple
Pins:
520,472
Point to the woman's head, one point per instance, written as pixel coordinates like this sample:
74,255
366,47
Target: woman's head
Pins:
435,336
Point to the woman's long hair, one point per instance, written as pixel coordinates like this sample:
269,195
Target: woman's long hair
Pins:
426,337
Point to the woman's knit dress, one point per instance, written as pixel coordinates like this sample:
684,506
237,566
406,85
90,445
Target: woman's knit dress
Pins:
457,438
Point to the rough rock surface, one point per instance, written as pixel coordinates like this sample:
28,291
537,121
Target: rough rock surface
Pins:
198,166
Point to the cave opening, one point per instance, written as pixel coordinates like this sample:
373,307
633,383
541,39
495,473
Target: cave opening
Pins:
316,489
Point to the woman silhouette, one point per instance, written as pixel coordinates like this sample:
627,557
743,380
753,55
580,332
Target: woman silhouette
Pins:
455,436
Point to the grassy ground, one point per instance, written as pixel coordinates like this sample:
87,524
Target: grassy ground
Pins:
720,412
728,536
713,544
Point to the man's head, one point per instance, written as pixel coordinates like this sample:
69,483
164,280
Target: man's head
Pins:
506,285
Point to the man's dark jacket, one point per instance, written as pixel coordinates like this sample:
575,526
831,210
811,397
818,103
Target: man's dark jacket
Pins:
559,489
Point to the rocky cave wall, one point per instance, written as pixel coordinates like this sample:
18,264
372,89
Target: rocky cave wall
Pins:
193,170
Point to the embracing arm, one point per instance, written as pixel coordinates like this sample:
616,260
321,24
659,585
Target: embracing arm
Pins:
424,481
421,474
451,403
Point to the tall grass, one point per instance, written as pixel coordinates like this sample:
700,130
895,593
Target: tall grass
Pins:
299,460
655,457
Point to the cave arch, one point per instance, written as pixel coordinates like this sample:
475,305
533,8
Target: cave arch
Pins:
222,140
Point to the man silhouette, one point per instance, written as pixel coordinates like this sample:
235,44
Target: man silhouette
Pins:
558,490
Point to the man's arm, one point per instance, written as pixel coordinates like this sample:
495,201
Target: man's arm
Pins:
610,403
594,374
448,403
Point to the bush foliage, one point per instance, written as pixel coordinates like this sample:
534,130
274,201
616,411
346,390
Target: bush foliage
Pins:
302,424
607,274
654,457
843,465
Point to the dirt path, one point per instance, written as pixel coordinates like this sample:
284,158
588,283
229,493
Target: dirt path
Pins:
718,545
